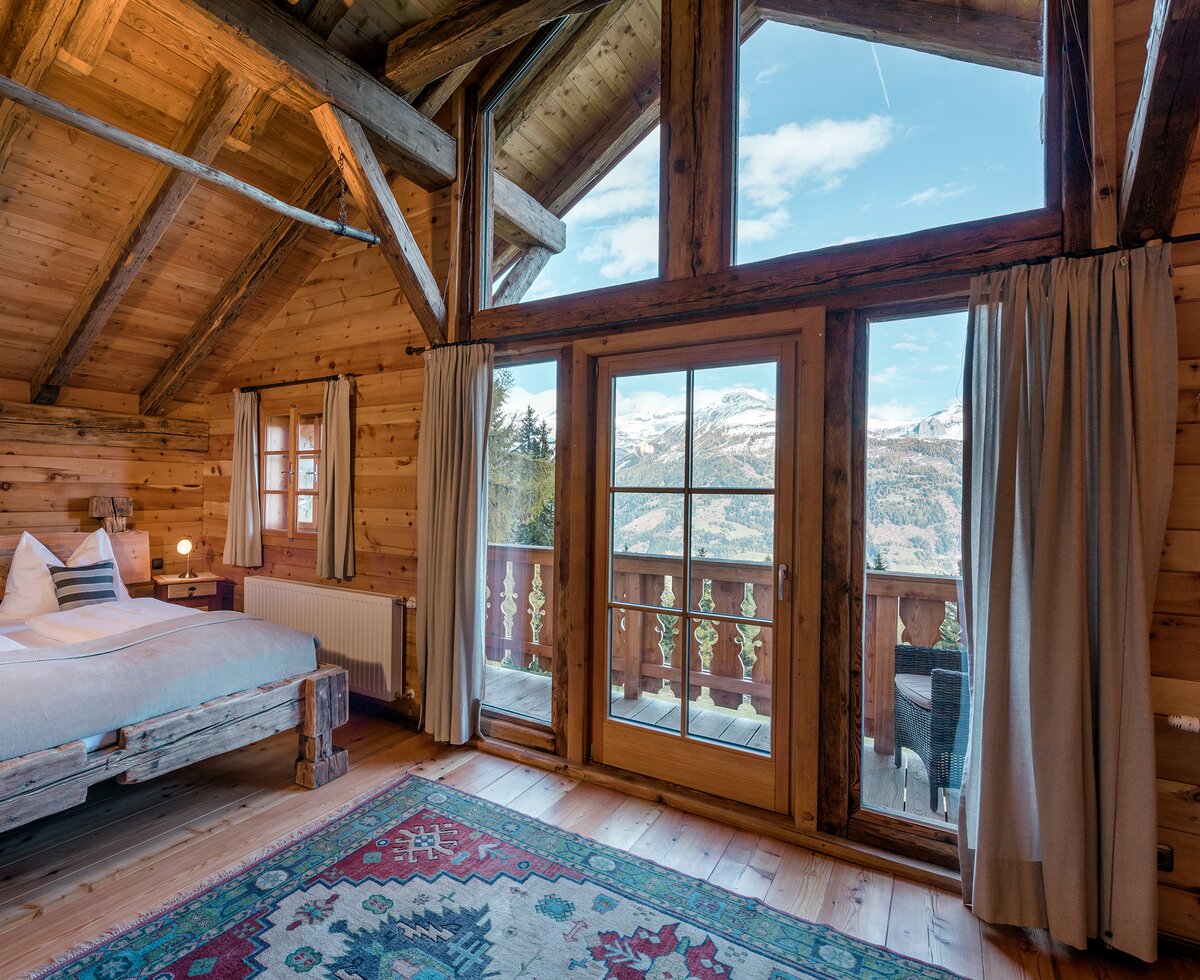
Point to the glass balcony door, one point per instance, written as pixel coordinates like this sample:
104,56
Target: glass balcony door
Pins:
696,556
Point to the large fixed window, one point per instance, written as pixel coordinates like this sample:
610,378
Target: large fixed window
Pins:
519,641
914,710
843,140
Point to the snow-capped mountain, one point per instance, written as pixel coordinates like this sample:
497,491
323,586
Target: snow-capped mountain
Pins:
946,424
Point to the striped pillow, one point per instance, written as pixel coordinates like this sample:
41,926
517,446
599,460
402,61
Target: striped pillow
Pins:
83,585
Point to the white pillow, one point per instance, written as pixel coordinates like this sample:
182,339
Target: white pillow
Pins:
29,590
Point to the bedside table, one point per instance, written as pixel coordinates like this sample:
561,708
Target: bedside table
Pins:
206,591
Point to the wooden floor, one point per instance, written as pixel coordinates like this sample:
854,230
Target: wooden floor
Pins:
883,787
68,878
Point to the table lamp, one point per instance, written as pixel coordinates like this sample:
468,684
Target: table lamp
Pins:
185,548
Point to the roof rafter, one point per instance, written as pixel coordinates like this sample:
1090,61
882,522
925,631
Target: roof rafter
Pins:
348,143
997,40
216,109
1164,123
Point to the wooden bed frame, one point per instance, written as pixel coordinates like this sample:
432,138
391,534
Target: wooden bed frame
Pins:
314,704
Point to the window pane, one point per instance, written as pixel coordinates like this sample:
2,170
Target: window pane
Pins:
308,433
733,429
649,429
275,473
278,428
519,630
275,512
306,511
306,478
842,140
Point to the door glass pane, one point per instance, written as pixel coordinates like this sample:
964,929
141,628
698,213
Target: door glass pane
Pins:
649,433
915,713
519,624
644,667
647,548
733,427
733,538
729,688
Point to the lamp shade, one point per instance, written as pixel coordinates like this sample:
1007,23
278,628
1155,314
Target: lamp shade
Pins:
185,546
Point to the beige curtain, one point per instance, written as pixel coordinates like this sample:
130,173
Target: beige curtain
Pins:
243,531
1070,409
452,538
335,484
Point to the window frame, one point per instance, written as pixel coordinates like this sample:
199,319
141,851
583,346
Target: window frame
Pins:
297,416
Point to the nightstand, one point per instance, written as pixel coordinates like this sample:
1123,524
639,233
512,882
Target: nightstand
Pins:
206,591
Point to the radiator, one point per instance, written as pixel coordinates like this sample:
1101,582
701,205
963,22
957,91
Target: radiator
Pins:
361,631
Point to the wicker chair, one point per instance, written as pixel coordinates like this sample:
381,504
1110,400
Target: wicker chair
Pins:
931,712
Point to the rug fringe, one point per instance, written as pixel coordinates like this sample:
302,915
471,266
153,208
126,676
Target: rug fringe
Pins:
211,881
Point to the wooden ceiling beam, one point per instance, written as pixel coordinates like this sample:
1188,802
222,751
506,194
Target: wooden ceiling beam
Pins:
1164,123
259,266
94,427
555,64
523,275
466,32
32,35
436,94
89,34
281,55
217,108
365,178
952,31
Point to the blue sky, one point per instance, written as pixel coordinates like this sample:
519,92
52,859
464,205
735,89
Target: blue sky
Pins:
839,141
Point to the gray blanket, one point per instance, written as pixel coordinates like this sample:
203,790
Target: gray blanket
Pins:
54,695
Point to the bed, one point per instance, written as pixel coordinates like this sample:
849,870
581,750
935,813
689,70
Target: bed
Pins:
132,688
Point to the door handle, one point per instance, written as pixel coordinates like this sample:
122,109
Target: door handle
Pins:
782,575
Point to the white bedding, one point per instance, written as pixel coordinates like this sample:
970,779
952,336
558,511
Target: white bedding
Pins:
103,619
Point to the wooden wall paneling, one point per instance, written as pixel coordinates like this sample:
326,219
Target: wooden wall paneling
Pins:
33,33
699,69
212,117
348,143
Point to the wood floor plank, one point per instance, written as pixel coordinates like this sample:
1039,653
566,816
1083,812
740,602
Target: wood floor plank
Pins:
932,925
685,842
511,785
858,902
800,882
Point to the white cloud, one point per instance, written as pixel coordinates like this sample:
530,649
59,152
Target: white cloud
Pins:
909,345
774,164
542,287
934,195
626,250
543,403
630,187
890,414
769,72
763,228
884,376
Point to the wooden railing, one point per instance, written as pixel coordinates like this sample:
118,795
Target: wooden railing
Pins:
732,664
899,608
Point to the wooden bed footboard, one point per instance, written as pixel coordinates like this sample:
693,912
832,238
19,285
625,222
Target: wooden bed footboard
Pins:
313,704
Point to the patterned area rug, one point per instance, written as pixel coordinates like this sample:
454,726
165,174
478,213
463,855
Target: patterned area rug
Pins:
423,882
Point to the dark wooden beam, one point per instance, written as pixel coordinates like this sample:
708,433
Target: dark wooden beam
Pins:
235,298
523,275
217,108
699,54
466,32
90,427
89,34
1164,123
554,64
32,35
348,144
953,31
282,56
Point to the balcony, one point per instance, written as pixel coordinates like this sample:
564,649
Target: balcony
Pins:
729,699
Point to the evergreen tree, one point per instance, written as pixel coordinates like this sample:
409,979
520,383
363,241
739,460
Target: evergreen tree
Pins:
520,472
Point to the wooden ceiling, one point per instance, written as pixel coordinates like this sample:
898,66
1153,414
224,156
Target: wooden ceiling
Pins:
66,197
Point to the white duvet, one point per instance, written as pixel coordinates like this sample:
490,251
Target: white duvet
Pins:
103,619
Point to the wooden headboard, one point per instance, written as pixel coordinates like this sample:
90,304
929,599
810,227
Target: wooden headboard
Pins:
132,549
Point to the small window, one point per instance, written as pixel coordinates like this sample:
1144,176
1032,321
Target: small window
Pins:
291,464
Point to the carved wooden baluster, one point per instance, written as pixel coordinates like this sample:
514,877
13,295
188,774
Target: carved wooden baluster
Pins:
508,608
667,629
748,642
537,600
706,638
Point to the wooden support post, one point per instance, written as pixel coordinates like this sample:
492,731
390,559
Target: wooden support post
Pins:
699,52
89,34
887,617
528,267
326,703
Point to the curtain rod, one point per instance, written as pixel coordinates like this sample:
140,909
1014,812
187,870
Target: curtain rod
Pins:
289,384
89,124
833,289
